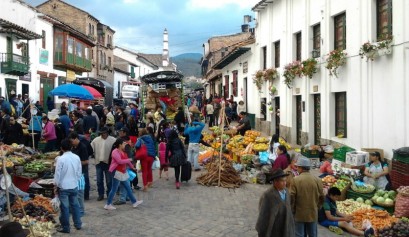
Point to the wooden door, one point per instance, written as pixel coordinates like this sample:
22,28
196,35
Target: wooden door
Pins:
317,119
298,118
47,84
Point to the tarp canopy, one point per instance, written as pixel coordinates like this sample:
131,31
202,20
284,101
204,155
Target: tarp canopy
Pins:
162,77
93,91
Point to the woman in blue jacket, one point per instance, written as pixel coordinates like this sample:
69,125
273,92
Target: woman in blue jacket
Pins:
146,161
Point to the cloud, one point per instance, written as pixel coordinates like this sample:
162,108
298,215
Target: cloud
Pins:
216,4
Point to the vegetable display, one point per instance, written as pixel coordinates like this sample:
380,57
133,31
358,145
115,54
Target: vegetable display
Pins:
349,206
379,219
399,229
34,166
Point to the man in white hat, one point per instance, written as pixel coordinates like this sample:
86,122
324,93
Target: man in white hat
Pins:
307,198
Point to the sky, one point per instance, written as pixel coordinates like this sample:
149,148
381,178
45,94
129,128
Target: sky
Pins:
139,24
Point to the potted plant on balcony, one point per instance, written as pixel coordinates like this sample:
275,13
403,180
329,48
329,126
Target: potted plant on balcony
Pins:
291,71
335,59
369,50
258,79
384,44
271,74
272,90
309,67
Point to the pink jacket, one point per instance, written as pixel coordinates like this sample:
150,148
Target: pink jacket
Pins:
119,161
49,131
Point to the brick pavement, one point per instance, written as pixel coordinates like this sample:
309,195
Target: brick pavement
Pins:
194,210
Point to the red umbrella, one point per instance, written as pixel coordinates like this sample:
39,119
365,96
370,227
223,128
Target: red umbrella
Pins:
93,91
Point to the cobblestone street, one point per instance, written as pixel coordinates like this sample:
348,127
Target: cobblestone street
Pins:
194,210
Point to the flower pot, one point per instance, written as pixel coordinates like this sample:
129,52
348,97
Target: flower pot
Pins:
371,54
385,51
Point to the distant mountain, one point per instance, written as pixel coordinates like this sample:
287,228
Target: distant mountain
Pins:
188,64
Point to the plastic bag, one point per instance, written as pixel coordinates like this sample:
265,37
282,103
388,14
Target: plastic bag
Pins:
403,151
267,169
261,178
131,174
263,157
138,165
55,202
156,164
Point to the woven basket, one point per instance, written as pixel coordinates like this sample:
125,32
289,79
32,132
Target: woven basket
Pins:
383,204
360,191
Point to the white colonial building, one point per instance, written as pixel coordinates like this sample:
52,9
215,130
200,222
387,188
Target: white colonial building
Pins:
365,105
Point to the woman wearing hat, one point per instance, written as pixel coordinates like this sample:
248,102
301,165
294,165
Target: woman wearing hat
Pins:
376,171
275,216
13,229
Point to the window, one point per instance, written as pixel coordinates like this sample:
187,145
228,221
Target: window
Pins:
89,29
340,32
235,75
78,50
264,59
101,62
316,41
341,114
92,30
384,18
92,54
298,46
226,86
70,45
109,61
43,39
277,54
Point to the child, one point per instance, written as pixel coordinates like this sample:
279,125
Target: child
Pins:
329,216
162,158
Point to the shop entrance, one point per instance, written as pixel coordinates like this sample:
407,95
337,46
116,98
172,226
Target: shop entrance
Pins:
46,85
11,87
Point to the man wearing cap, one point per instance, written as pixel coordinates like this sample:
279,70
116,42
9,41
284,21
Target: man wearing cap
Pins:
102,147
275,216
307,198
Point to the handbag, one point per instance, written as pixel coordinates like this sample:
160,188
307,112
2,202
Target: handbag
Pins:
141,152
121,176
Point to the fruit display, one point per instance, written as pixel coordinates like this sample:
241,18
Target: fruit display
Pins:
246,159
208,138
349,206
17,160
9,163
6,149
329,180
262,140
252,133
341,184
216,145
384,198
399,229
260,147
379,219
216,129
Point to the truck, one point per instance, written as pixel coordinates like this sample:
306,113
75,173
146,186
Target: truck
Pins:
162,87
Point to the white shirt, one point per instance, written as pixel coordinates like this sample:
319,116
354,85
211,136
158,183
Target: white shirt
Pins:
102,148
68,171
209,109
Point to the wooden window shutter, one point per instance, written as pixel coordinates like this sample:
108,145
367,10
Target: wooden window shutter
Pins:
132,72
226,87
235,74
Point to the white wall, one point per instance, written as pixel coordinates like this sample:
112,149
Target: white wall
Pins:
121,78
142,68
377,91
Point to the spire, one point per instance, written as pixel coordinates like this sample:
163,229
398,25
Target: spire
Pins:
165,54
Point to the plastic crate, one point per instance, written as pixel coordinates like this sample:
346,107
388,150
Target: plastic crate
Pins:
340,153
400,167
398,179
310,153
46,192
22,182
403,159
351,194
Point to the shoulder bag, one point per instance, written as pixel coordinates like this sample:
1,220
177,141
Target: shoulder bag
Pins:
141,152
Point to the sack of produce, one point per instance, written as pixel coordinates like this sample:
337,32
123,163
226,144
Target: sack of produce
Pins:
256,162
267,169
261,178
402,202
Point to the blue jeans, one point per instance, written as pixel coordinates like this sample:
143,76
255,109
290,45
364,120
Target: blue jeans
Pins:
102,169
115,184
193,153
123,193
306,228
69,200
81,202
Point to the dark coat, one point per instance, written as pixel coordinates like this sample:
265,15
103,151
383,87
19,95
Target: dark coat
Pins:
13,134
275,216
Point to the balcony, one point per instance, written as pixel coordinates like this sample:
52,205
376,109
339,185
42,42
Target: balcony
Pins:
72,62
14,64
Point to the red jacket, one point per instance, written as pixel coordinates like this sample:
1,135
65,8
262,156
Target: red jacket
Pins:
281,162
